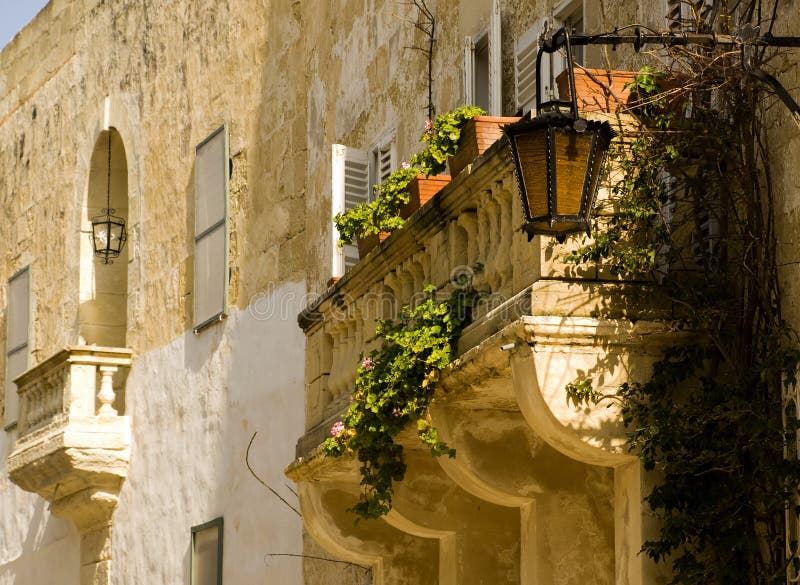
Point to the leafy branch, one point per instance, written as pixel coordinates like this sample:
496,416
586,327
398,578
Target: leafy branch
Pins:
693,210
381,214
394,386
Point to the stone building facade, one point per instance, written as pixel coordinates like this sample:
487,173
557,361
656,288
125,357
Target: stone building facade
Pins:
539,492
222,131
86,495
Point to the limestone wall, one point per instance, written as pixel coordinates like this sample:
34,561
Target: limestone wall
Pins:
165,74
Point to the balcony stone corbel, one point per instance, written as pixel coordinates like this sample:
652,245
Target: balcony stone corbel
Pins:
500,460
552,351
328,489
478,540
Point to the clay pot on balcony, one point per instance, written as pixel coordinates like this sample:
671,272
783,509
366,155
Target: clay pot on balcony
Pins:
591,93
421,189
366,243
477,135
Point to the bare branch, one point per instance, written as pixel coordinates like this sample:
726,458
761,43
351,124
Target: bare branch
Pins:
316,558
261,481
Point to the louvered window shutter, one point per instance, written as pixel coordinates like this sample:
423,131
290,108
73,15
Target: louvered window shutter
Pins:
525,52
17,332
350,187
385,162
211,230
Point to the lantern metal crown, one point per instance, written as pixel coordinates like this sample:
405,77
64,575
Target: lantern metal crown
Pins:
108,230
558,158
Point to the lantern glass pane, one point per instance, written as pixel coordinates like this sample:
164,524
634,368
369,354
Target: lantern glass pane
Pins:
116,231
594,173
571,157
101,230
532,151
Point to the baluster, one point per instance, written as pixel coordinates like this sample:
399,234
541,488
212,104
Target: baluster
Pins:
505,232
106,394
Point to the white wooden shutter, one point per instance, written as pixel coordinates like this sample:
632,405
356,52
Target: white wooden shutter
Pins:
385,162
17,332
706,236
495,62
350,186
211,230
527,46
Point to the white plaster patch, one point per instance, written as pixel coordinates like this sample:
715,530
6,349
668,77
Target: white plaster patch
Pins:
194,404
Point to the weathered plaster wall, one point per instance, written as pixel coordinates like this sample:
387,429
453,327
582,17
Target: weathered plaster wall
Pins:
164,74
196,403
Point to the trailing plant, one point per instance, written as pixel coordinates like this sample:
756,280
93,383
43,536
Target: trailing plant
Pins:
693,212
394,386
381,214
442,136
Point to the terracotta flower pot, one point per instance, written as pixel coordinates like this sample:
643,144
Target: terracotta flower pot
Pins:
366,243
421,189
592,96
477,135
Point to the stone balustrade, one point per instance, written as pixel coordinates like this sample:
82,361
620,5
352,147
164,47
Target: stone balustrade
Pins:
466,232
470,232
73,440
77,381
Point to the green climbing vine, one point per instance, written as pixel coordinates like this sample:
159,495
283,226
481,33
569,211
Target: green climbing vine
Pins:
441,137
693,214
394,386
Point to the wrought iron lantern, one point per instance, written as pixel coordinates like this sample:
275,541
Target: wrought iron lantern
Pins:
558,158
108,230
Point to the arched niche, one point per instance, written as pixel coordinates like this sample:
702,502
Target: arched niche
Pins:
103,308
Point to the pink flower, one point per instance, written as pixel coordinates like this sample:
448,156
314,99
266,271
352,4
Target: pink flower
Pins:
428,125
367,364
337,429
405,165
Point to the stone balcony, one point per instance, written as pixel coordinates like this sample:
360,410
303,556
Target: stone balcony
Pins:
535,483
73,446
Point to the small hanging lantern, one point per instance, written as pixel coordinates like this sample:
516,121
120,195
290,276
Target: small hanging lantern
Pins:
108,231
558,158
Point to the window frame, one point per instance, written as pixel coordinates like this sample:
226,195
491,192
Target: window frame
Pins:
219,524
491,36
223,223
10,423
564,15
